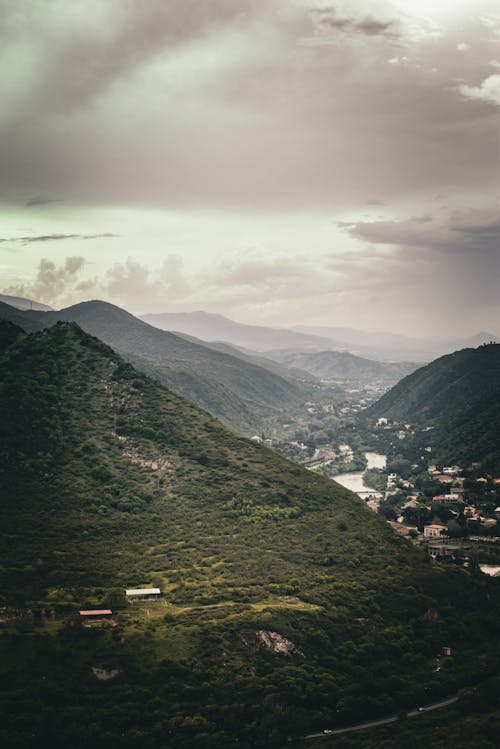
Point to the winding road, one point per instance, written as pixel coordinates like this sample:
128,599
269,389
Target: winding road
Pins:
384,721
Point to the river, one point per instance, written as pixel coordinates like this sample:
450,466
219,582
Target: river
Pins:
354,481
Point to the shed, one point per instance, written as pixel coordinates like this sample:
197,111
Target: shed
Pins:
95,613
142,594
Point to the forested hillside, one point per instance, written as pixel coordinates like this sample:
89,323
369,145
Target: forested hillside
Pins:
459,397
286,605
240,393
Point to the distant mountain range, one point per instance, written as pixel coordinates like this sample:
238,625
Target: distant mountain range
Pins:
344,368
211,327
459,396
393,347
371,345
242,387
23,303
291,373
241,393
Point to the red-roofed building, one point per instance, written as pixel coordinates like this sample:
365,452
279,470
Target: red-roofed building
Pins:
89,614
434,531
443,479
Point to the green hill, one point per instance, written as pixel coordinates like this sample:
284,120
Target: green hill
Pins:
459,397
240,393
286,604
343,367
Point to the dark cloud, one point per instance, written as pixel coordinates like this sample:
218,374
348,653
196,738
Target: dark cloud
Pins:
467,231
152,103
372,27
89,48
40,201
254,108
56,237
327,17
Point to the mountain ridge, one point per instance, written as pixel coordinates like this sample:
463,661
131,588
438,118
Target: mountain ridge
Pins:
23,303
287,603
242,394
214,327
342,366
459,396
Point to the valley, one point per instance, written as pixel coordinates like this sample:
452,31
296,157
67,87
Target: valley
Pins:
284,600
281,592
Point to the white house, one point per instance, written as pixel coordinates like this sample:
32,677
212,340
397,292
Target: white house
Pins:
434,531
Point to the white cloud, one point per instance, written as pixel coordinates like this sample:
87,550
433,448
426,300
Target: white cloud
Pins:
488,90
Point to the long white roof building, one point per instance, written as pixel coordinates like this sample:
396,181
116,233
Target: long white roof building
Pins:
143,592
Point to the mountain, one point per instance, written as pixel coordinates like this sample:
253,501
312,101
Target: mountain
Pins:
459,396
293,374
22,303
343,367
19,318
287,605
211,327
239,392
394,347
356,337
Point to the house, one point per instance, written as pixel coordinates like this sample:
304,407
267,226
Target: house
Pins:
443,479
142,594
94,615
452,470
403,530
447,499
437,549
391,480
488,522
434,531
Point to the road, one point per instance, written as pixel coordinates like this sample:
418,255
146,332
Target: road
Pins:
384,721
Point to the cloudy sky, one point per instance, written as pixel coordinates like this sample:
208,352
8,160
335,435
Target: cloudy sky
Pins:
280,161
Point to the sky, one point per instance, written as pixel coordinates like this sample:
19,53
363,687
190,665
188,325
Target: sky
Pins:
282,162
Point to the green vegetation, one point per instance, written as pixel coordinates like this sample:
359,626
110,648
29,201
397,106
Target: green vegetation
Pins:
471,723
243,394
456,399
108,481
376,479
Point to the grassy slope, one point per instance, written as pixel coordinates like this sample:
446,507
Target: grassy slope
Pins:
109,481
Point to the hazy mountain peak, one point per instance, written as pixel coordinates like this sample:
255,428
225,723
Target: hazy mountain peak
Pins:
22,303
214,327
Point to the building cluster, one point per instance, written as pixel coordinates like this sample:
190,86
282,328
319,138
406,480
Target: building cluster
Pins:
132,595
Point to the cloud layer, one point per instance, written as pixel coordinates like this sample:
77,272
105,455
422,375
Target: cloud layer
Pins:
323,162
243,102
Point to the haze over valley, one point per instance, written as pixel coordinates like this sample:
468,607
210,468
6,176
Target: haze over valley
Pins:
250,374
